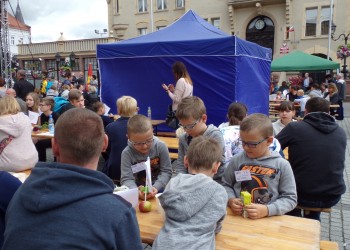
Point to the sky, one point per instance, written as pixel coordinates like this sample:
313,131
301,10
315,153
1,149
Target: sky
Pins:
77,19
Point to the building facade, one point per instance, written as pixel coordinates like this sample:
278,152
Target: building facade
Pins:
282,25
19,33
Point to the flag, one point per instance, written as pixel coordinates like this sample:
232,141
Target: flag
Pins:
291,29
148,175
89,77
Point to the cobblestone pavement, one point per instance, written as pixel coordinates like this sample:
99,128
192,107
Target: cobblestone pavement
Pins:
335,226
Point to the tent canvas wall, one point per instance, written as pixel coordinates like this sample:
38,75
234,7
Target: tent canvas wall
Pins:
223,68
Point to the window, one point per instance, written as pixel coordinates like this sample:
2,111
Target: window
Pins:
142,31
93,62
116,6
12,40
160,27
180,3
142,5
325,17
161,5
216,22
311,21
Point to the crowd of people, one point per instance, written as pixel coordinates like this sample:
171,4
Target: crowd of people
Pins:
333,89
73,204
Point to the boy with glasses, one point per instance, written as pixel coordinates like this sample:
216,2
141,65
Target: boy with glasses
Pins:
46,105
141,145
263,173
192,115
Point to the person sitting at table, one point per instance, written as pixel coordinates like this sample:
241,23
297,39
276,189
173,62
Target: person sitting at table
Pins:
192,115
292,95
193,203
46,106
236,113
99,108
301,100
141,146
316,151
286,114
17,151
32,102
21,103
315,90
117,139
333,97
76,100
270,182
8,186
68,204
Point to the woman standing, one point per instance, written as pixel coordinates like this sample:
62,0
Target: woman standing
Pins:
184,86
17,151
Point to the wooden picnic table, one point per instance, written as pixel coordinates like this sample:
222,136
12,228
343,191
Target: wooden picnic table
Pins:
276,232
171,142
42,134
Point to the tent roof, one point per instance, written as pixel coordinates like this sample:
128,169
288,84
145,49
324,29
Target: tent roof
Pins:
190,35
190,26
300,61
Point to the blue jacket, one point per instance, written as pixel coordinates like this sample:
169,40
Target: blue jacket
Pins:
117,141
62,206
8,186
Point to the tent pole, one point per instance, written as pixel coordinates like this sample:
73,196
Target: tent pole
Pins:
151,15
330,30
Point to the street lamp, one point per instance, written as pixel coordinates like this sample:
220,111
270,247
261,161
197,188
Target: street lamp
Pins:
345,37
58,60
72,59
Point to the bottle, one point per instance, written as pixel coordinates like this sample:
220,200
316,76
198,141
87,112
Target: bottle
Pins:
51,125
149,113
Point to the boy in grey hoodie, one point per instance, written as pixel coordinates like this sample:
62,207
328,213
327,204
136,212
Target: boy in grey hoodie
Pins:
141,145
264,174
192,115
194,204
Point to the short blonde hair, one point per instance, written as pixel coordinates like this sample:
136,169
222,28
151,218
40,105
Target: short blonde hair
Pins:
9,106
257,121
126,106
139,124
191,107
300,92
92,89
203,152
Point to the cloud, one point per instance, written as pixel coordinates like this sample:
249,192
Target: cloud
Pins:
77,19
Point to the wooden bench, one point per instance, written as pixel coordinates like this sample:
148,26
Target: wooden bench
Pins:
166,134
307,210
328,245
173,156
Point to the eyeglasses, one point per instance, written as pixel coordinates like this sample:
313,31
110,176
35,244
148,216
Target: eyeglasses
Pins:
190,126
252,144
140,144
42,105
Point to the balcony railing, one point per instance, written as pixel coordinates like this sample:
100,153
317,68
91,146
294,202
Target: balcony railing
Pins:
63,46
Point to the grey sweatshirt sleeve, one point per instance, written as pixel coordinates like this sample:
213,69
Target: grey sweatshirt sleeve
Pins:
228,179
180,167
287,199
165,167
127,176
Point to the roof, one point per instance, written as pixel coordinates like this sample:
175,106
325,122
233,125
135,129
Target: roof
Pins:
16,24
300,61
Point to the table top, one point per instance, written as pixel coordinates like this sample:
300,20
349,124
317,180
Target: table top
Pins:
43,134
276,232
171,142
157,122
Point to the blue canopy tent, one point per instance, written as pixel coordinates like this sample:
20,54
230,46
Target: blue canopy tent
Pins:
223,68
